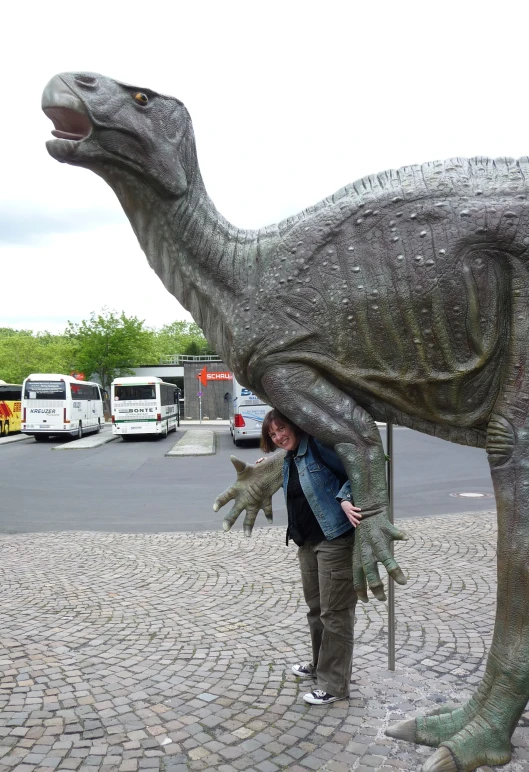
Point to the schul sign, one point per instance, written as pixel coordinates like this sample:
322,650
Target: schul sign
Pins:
203,376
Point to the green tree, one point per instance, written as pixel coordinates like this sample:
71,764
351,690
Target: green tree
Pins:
180,338
23,352
110,344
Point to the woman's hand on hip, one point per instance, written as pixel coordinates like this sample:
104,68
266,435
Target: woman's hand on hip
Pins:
352,513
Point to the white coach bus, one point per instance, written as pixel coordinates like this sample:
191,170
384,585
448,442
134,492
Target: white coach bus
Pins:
59,404
144,405
247,413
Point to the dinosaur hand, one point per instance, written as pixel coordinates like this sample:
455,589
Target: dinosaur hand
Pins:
372,546
252,491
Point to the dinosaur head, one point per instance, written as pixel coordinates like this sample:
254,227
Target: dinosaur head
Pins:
103,124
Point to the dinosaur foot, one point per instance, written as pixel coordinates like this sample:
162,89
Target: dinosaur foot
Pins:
433,729
475,746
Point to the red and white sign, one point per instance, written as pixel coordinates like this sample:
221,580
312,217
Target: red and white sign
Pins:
203,376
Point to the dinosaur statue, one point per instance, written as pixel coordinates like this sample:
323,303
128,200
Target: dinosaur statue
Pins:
401,297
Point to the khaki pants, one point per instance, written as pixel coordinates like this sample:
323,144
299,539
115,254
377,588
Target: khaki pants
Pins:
327,577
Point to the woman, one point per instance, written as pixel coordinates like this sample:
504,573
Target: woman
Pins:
321,521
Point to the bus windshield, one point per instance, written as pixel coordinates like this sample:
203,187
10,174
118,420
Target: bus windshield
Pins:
10,392
135,391
45,390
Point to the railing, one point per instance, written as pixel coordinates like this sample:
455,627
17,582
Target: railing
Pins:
179,359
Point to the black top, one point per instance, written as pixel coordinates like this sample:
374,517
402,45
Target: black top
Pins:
302,523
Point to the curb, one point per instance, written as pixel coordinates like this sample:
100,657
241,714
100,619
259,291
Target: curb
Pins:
91,441
15,438
195,442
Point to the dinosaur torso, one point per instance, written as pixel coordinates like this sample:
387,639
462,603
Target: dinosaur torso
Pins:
403,292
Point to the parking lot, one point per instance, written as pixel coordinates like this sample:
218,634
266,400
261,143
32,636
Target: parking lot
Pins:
134,487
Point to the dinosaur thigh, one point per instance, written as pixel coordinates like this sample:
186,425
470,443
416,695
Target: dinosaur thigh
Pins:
320,408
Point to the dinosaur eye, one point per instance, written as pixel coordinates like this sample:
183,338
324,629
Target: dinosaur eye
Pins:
141,98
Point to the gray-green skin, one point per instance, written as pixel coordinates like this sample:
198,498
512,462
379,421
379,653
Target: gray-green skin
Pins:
403,296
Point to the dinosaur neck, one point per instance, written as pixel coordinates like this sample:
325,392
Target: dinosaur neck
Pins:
203,260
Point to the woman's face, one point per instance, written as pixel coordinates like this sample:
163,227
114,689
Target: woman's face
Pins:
283,436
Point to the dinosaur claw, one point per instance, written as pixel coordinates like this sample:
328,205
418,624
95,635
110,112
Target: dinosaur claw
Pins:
239,465
404,730
441,761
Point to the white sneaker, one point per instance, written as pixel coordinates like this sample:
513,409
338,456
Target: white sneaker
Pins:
319,697
304,670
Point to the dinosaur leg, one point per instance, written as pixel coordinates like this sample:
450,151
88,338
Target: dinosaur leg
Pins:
480,732
324,411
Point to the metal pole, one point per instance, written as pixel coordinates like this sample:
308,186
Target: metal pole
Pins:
391,583
200,409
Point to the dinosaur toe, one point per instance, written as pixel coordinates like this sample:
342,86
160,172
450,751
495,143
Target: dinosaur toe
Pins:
441,761
404,730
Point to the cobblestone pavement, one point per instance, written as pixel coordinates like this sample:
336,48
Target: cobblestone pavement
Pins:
172,652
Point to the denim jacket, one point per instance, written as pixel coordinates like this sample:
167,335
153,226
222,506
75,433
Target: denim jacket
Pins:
321,487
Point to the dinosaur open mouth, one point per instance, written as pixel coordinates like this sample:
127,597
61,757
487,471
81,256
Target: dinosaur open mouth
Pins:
69,124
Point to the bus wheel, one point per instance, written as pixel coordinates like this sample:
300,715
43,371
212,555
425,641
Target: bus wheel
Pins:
98,425
166,430
80,431
5,429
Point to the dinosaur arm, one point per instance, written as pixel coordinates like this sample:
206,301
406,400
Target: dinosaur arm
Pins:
252,491
333,417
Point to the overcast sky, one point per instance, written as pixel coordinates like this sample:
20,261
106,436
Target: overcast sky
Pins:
290,101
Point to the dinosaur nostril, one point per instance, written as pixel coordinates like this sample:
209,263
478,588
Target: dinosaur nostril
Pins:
85,80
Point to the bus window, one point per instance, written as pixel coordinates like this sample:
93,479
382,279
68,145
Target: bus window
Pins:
135,391
45,390
10,408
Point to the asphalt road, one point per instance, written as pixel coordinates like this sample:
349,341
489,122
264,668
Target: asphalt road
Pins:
133,488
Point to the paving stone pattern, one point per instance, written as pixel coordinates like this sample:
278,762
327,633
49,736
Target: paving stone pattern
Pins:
172,652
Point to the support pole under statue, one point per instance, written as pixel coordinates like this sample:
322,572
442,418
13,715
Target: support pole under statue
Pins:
391,583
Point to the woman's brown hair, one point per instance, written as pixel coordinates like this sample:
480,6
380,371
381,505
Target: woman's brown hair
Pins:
275,416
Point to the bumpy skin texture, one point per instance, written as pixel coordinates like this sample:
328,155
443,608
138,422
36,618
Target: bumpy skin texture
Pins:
403,296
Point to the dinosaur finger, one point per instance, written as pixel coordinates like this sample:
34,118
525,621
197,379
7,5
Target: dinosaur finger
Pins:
383,555
374,581
224,497
239,465
231,517
398,576
267,509
395,533
249,521
378,591
361,589
359,577
370,567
